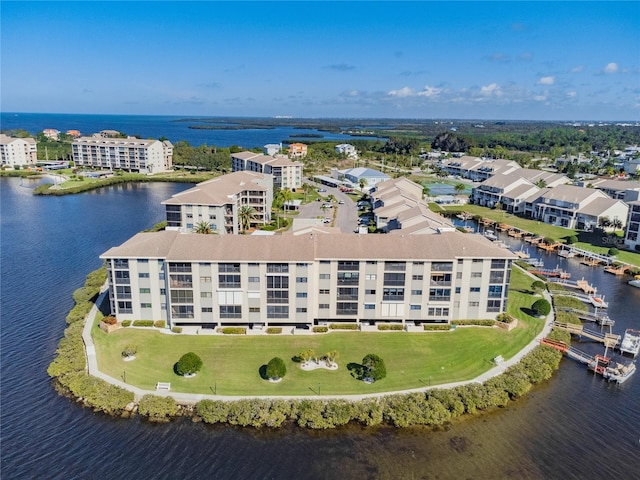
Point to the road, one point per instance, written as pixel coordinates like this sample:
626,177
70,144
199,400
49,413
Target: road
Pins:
346,215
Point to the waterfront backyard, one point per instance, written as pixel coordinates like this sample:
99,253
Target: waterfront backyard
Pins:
231,363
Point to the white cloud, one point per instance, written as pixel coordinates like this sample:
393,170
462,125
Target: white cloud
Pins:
541,98
402,93
611,68
492,90
429,92
577,69
572,94
546,80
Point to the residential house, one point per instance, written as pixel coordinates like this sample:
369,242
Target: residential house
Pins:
477,169
51,133
370,176
272,149
620,189
509,190
297,150
347,149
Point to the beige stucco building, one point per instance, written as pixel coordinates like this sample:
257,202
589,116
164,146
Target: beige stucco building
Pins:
130,154
18,151
286,173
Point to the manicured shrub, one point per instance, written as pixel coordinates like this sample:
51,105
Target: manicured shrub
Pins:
159,324
480,323
188,364
343,326
320,329
541,307
504,317
390,326
232,330
176,329
613,251
274,330
374,367
437,327
126,323
276,368
143,323
129,351
571,239
538,286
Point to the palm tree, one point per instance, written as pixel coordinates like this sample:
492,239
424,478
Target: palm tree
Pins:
246,214
426,192
306,188
604,223
363,183
459,188
286,195
202,227
616,223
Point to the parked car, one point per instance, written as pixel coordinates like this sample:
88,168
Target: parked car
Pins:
321,190
341,202
326,220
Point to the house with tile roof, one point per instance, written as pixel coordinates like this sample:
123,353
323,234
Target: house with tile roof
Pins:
286,173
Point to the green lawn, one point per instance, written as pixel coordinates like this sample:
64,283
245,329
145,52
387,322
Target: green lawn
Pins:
232,363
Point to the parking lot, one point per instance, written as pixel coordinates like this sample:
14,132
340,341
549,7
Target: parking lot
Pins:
345,209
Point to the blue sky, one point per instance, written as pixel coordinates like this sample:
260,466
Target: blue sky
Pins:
484,60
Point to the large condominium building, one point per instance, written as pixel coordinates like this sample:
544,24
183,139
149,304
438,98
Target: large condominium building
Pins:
219,202
286,173
131,154
632,234
477,169
17,151
307,279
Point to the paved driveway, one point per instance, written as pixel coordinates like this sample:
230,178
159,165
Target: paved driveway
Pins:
346,214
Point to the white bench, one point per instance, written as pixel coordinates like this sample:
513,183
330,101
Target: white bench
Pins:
163,386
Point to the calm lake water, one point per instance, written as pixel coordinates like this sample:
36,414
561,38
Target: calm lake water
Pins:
573,427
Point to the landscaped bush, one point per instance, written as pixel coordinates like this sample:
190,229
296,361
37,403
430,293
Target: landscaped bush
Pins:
126,323
374,367
571,239
437,327
541,307
343,326
569,302
176,329
143,323
613,251
390,326
538,286
481,323
188,364
567,317
274,330
276,368
320,329
129,351
504,317
232,330
158,408
159,324
556,287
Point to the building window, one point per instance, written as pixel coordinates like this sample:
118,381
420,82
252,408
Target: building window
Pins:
498,264
205,279
440,294
393,279
442,266
179,267
301,279
474,304
254,309
163,291
369,306
346,308
458,275
205,295
277,268
120,263
125,307
277,296
301,294
438,312
229,281
372,262
369,292
348,278
207,309
181,296
495,291
228,268
182,311
324,291
230,311
393,294
277,282
418,263
476,274
395,266
416,307
254,279
441,279
347,293
493,305
277,311
324,276
474,289
180,281
496,276
301,310
457,289
371,276
416,292
417,277
348,266
143,275
323,306
145,290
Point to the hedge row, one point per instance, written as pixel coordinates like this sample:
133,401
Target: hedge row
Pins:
274,330
320,329
232,330
69,365
143,323
482,323
435,407
390,326
437,327
343,326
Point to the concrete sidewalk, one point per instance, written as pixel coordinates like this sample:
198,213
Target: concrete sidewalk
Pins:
192,398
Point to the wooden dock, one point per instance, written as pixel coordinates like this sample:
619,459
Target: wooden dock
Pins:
580,284
600,318
610,340
551,272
